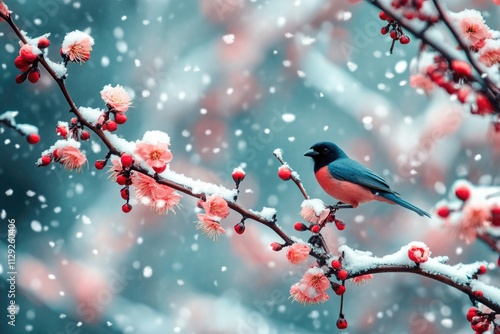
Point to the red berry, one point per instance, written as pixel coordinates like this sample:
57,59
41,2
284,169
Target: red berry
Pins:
471,313
496,126
341,323
21,64
61,131
462,192
160,169
239,228
27,54
111,126
336,264
125,193
84,135
342,274
463,94
121,179
238,175
33,138
478,294
120,118
275,246
410,14
483,105
339,290
126,208
127,160
404,39
443,211
394,34
285,173
74,120
339,224
495,215
384,30
20,78
99,164
315,228
482,270
300,226
45,160
55,154
498,261
43,42
383,16
480,324
461,68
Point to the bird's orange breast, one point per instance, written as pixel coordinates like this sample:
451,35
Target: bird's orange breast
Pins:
344,191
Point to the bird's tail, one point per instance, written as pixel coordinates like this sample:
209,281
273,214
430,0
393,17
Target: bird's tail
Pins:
398,200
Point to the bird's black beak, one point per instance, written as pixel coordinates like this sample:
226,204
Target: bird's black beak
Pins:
311,153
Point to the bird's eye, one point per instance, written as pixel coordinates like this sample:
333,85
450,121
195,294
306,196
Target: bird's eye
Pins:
325,150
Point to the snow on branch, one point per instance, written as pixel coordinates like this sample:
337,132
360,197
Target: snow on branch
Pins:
460,276
29,131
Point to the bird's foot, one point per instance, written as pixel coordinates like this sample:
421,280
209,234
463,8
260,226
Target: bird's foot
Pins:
341,205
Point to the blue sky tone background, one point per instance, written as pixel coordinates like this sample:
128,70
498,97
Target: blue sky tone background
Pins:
230,81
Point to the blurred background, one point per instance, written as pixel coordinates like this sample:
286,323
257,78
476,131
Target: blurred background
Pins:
230,81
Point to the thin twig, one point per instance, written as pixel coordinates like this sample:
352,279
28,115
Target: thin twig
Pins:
294,176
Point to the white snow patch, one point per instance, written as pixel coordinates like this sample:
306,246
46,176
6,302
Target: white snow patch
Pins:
316,204
59,69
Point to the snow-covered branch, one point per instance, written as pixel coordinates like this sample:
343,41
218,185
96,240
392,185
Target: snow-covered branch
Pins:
29,131
461,276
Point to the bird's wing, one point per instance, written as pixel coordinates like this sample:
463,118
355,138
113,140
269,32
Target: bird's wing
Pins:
346,169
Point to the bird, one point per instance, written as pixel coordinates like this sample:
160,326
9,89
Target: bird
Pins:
349,181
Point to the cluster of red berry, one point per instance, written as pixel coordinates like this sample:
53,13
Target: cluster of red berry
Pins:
394,30
455,78
123,178
109,124
74,130
414,9
481,321
27,61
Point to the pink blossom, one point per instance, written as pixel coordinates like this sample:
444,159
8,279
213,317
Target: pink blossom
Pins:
297,253
472,27
209,226
361,279
71,158
307,295
311,288
490,53
216,206
154,195
4,10
418,252
476,217
115,168
116,97
308,212
156,155
422,82
77,46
